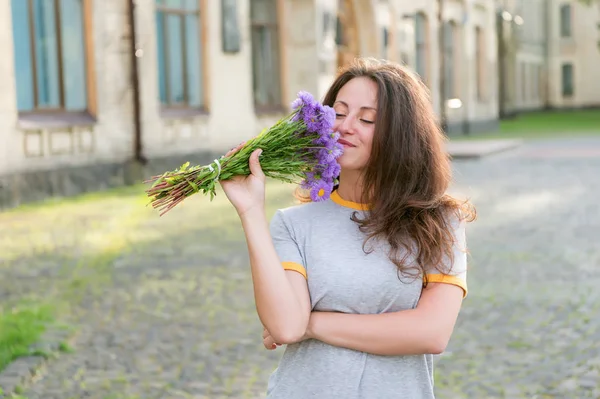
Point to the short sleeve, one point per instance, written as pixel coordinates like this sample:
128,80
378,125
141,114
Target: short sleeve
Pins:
286,245
457,274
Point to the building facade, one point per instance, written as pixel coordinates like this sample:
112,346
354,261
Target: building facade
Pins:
210,74
407,32
573,54
549,52
91,90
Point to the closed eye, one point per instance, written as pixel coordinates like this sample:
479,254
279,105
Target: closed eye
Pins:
366,121
339,115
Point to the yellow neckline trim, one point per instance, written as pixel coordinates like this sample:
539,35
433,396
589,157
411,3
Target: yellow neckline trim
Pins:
335,197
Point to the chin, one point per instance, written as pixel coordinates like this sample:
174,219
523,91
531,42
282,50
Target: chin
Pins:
347,163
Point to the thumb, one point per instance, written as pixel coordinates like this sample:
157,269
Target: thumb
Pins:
255,168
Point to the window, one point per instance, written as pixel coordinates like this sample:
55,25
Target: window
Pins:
480,62
385,41
565,20
340,36
523,81
535,82
539,85
567,80
266,73
179,56
49,55
421,64
449,61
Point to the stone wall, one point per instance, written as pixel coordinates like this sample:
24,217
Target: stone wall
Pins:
66,181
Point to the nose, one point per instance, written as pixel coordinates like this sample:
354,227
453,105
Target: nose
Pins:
346,125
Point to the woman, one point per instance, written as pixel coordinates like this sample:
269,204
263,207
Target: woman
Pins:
372,279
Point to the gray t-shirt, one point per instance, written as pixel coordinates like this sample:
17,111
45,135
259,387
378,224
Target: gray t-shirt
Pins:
320,241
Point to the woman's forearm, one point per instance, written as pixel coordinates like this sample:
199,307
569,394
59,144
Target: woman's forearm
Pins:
400,333
278,306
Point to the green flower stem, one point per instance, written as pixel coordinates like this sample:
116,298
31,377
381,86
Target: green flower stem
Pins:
286,157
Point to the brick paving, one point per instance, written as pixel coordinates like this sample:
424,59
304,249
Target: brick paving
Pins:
164,305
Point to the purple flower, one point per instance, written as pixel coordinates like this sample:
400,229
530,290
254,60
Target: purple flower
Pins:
307,184
329,155
321,191
328,117
325,156
332,141
338,150
310,117
332,170
306,97
305,107
333,136
297,103
320,119
312,178
321,141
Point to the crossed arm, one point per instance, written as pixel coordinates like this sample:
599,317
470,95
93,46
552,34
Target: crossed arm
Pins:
425,329
283,305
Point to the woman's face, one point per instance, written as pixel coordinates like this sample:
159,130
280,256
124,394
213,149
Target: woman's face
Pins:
356,108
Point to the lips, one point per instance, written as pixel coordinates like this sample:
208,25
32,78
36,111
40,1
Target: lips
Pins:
345,143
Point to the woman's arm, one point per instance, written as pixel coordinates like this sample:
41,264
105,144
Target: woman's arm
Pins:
423,330
282,298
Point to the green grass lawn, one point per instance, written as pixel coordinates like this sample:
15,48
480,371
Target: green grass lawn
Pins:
96,229
20,328
544,124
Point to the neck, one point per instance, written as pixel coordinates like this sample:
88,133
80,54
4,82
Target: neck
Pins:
351,186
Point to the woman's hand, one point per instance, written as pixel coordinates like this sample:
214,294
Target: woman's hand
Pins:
268,341
246,193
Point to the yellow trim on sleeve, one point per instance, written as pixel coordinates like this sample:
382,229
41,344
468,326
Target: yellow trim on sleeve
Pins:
447,279
295,267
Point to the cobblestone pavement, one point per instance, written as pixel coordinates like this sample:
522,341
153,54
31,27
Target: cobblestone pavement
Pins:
165,305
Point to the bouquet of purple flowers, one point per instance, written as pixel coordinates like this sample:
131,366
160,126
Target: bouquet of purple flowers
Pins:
300,148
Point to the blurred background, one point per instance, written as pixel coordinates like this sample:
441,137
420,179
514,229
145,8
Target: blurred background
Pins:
101,298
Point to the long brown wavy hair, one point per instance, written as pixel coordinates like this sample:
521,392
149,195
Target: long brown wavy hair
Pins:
408,172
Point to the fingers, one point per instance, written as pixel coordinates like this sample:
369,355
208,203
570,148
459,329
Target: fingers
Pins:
268,341
255,168
270,344
235,149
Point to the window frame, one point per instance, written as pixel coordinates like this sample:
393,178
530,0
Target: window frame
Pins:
566,21
422,47
567,91
480,58
450,53
60,112
183,108
278,31
523,71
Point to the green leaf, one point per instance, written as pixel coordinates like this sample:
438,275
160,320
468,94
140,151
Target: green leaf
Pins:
194,185
159,180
